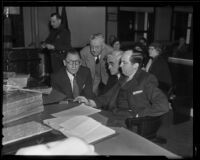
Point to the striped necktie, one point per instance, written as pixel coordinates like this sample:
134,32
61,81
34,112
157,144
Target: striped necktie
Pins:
75,87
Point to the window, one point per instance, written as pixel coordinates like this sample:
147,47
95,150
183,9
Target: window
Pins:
135,24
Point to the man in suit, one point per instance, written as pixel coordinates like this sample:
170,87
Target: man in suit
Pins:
74,79
138,95
113,62
93,57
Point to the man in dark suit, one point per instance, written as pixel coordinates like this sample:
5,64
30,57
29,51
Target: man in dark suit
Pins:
73,77
57,43
138,93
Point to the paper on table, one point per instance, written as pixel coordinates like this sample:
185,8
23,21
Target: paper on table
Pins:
86,128
55,122
82,109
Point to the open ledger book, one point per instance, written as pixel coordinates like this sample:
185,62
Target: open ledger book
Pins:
86,128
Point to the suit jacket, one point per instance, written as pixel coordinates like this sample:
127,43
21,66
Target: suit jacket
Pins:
160,69
112,80
88,60
108,100
61,82
141,96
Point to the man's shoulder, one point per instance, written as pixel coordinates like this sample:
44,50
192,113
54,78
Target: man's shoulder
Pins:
60,72
85,50
84,69
145,76
108,48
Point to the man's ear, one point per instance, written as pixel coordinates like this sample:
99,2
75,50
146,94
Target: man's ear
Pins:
136,65
64,62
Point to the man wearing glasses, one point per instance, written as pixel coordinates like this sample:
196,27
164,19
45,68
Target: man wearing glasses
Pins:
74,79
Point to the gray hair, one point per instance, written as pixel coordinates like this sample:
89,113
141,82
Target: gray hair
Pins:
98,36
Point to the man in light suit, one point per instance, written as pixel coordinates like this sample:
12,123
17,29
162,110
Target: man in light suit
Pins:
93,57
63,80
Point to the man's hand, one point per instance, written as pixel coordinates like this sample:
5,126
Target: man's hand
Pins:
70,146
82,99
50,46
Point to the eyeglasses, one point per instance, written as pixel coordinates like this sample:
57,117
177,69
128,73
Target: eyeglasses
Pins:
77,63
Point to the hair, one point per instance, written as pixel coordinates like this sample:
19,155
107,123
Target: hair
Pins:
114,40
157,46
144,39
136,57
115,55
57,15
97,36
72,51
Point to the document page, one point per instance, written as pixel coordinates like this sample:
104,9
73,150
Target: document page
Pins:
86,128
82,109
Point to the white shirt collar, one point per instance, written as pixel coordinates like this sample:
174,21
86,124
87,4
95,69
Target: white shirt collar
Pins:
97,56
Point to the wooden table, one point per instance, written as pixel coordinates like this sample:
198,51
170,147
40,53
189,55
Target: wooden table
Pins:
123,143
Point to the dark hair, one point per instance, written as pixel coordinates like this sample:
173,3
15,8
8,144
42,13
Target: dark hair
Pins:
144,39
157,46
136,57
57,15
72,51
114,40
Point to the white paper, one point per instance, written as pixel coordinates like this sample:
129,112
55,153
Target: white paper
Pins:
82,109
55,122
86,128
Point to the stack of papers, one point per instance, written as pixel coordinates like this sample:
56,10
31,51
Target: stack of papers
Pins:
82,109
65,115
75,122
85,128
22,131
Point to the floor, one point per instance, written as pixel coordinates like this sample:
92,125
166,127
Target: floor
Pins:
179,135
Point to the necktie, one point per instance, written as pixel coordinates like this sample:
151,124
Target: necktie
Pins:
75,87
116,89
97,60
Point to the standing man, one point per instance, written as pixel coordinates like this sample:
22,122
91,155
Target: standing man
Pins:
58,42
93,57
73,80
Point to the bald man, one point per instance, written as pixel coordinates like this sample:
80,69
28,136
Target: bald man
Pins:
93,57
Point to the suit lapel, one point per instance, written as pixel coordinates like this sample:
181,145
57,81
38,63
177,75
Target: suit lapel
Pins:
65,81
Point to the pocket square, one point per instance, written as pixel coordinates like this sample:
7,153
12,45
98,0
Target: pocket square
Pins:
137,92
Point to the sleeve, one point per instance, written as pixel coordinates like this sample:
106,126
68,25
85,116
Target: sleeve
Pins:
159,102
88,86
54,83
82,53
104,99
